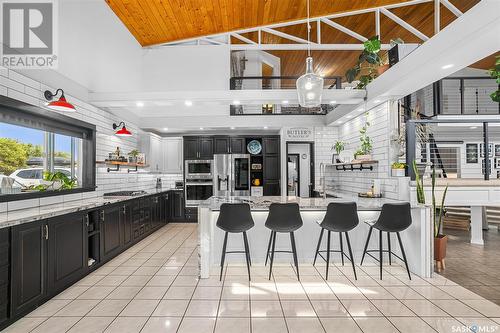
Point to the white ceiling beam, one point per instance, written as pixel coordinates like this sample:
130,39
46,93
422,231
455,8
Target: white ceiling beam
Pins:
437,16
404,24
285,35
317,47
377,23
243,38
318,31
452,8
209,40
344,29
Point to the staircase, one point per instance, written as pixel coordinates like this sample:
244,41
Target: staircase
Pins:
459,217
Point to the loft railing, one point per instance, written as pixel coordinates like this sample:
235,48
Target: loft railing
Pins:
279,109
277,82
465,96
454,148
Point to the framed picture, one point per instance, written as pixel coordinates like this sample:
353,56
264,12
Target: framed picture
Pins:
490,150
497,150
471,153
483,167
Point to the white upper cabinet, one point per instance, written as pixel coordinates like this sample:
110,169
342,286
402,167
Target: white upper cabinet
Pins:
172,155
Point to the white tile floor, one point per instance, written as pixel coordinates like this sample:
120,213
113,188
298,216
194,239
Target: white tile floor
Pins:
154,287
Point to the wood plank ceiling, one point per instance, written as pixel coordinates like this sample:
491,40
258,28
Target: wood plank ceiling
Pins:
159,21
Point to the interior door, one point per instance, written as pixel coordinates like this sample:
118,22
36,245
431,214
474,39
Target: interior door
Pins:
293,183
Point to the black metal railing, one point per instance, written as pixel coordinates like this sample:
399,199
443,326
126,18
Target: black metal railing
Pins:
277,82
458,148
279,109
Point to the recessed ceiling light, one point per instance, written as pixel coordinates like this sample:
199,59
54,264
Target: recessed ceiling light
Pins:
284,102
265,127
201,128
165,129
139,104
236,102
447,66
188,103
473,127
333,102
232,127
377,101
339,122
349,116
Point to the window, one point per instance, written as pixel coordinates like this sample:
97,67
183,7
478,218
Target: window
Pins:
43,153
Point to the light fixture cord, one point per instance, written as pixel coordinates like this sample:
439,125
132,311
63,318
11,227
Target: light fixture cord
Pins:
308,30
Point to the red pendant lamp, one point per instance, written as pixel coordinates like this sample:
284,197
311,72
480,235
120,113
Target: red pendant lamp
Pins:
61,104
123,131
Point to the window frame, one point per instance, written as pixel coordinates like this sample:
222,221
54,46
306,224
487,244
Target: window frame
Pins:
22,114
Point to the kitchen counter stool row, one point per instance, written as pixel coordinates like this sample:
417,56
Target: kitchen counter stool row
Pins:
340,217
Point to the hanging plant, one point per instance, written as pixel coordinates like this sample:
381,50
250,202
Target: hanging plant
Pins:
495,74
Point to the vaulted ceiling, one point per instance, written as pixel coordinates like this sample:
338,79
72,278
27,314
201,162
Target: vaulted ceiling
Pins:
160,21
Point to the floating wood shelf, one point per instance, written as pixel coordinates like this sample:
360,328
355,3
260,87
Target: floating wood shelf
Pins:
120,164
355,165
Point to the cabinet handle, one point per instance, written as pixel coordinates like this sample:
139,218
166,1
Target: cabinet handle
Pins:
87,220
102,215
123,210
46,232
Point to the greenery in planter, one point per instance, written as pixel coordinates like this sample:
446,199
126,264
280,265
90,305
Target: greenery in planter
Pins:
438,211
397,165
368,62
495,74
366,142
55,177
420,184
133,155
339,147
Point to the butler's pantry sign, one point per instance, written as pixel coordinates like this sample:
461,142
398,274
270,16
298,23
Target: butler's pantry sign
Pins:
299,134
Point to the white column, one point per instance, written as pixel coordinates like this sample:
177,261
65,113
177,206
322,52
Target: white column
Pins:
476,225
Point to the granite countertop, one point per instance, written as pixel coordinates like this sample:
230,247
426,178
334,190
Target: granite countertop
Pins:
21,216
262,203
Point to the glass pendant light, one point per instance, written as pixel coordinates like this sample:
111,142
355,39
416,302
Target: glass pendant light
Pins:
309,85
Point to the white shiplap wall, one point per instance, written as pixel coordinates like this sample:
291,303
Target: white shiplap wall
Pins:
380,133
17,86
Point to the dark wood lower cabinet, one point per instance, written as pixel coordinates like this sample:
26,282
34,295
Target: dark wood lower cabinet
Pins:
67,251
29,252
40,259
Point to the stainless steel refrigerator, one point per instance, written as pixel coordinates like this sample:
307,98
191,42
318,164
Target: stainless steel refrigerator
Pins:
232,174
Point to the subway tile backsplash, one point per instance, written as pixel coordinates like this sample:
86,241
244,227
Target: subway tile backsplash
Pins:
20,87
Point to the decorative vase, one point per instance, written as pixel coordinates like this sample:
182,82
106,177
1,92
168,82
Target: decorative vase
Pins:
398,172
440,244
382,69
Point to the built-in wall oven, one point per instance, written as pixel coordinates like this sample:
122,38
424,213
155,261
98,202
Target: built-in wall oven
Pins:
197,191
198,181
199,169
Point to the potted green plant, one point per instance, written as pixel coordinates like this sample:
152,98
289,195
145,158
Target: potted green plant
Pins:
398,169
364,151
132,156
440,239
495,74
338,147
370,63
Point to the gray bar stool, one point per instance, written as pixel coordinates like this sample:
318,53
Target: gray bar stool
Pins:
393,218
283,218
340,217
235,218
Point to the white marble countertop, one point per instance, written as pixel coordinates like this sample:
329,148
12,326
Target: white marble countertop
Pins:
262,203
21,216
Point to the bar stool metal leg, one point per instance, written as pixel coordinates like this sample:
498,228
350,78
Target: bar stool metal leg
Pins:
389,246
328,254
272,254
350,254
269,246
294,250
319,244
247,253
366,245
223,256
380,252
341,248
404,255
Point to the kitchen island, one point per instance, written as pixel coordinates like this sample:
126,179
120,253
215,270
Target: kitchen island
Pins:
417,239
